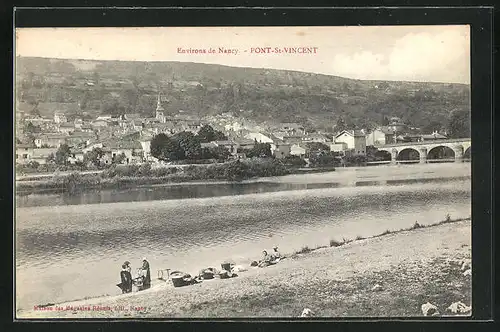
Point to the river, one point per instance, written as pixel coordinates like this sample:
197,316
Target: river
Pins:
70,247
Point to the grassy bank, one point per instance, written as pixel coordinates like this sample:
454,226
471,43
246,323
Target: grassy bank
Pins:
119,177
410,266
344,241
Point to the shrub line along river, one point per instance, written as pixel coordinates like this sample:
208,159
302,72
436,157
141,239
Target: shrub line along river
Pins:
73,247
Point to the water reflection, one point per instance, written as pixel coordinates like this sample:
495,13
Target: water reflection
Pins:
183,191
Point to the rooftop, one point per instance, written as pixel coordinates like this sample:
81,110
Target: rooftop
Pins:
355,133
23,146
121,144
225,142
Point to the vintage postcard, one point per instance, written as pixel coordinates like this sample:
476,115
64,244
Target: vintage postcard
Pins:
215,172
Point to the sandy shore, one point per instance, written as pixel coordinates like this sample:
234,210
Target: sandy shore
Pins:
412,267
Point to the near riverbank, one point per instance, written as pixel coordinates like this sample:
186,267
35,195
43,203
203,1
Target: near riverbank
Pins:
411,267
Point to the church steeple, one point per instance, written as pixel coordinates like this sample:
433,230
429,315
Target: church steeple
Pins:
159,110
158,103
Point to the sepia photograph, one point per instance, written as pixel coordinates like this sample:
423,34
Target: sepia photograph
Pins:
242,172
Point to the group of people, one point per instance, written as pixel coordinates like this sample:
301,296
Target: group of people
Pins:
269,259
142,280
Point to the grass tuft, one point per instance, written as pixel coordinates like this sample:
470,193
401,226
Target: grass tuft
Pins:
303,250
335,243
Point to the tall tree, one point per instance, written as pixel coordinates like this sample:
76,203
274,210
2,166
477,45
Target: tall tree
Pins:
166,148
260,150
62,154
459,124
189,143
341,125
29,128
94,156
385,121
208,134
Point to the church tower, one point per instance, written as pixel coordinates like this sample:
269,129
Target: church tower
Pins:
160,110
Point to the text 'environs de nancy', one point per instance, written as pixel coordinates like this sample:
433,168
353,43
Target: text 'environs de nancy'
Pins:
252,50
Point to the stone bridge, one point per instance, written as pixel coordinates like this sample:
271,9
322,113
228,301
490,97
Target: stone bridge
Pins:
459,146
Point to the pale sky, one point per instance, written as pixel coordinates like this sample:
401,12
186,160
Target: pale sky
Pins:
409,53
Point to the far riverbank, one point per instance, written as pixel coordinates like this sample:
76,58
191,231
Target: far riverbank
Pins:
130,176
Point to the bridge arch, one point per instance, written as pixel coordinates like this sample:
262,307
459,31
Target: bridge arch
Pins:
467,155
440,153
383,155
408,154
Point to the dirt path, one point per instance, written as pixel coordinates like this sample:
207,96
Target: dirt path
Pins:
412,267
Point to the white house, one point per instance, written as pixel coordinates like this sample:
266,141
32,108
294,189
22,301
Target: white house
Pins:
338,147
380,136
355,141
146,147
59,118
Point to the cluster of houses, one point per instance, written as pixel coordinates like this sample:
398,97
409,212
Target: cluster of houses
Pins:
129,136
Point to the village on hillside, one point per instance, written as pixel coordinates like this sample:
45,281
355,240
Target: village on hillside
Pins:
126,139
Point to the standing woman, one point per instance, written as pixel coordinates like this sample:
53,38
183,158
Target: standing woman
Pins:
147,274
126,277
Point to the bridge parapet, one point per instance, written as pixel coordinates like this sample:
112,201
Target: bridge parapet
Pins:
444,141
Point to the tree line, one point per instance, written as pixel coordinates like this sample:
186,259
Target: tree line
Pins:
187,146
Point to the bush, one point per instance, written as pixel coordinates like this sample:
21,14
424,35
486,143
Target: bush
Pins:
74,182
127,170
304,250
322,159
416,225
33,164
294,161
144,169
357,160
335,243
163,171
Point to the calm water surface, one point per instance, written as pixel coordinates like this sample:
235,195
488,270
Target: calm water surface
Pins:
70,251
